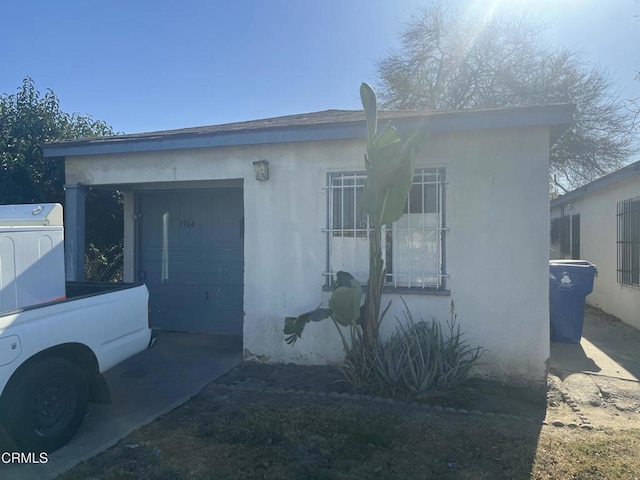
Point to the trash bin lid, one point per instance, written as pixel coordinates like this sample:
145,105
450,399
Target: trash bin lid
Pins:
577,263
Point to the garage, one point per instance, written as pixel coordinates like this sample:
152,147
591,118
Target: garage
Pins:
191,249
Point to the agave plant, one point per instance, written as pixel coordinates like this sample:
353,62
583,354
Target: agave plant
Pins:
423,357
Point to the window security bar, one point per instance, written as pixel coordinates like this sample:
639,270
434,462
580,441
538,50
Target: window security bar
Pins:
330,276
628,241
413,247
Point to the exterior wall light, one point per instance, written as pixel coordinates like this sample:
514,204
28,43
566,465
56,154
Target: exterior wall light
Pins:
262,170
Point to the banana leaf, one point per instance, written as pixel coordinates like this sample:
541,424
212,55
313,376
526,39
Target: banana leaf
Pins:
345,303
293,326
344,308
389,163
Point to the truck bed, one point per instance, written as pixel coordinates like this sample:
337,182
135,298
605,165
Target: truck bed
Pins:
78,290
111,319
87,289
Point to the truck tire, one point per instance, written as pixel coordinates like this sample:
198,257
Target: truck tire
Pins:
46,404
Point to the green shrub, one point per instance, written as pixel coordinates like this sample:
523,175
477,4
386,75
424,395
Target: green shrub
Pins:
420,357
357,365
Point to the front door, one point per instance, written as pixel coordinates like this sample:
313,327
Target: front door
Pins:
192,259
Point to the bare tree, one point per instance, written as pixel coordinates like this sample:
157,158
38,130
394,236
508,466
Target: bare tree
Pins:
451,61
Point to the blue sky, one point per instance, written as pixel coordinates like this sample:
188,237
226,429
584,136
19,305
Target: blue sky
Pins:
153,65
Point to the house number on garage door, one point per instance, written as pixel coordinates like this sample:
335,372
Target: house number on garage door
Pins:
187,224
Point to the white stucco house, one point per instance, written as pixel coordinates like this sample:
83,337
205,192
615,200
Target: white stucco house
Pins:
600,222
233,227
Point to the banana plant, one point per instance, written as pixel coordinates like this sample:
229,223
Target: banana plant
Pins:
344,308
389,163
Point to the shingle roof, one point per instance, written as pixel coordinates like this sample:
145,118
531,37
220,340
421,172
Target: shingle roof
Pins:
324,125
612,178
297,120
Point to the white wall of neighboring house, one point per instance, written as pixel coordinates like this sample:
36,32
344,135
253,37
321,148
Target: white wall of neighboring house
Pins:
598,237
496,248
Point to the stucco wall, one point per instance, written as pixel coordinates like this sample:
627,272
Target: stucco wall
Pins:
598,236
497,248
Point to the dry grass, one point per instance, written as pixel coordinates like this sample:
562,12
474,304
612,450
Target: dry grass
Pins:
233,434
575,454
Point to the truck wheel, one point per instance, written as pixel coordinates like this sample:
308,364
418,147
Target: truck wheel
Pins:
46,405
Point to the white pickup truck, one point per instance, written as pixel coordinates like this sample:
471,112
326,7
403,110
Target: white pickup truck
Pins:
56,338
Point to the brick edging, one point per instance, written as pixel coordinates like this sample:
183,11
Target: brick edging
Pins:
585,424
437,409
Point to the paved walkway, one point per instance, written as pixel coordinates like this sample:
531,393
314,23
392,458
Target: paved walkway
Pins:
608,348
604,367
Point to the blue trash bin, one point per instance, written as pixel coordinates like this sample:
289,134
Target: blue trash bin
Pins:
570,281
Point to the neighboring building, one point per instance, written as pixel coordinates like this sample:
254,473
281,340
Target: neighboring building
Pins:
600,222
233,227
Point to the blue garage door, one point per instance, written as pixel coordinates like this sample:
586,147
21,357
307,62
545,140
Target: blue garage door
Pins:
191,251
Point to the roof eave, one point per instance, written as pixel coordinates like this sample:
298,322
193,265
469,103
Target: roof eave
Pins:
557,117
612,178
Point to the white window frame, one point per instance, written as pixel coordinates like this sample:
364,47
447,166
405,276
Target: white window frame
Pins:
347,231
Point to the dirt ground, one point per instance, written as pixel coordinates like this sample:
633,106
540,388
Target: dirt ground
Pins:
317,381
307,385
593,385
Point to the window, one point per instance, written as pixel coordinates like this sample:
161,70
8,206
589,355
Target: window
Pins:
575,237
555,231
413,247
565,236
348,218
628,240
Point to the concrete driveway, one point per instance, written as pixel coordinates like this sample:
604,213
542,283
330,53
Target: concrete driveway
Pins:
143,388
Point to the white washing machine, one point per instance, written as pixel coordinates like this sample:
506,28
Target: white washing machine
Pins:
31,255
